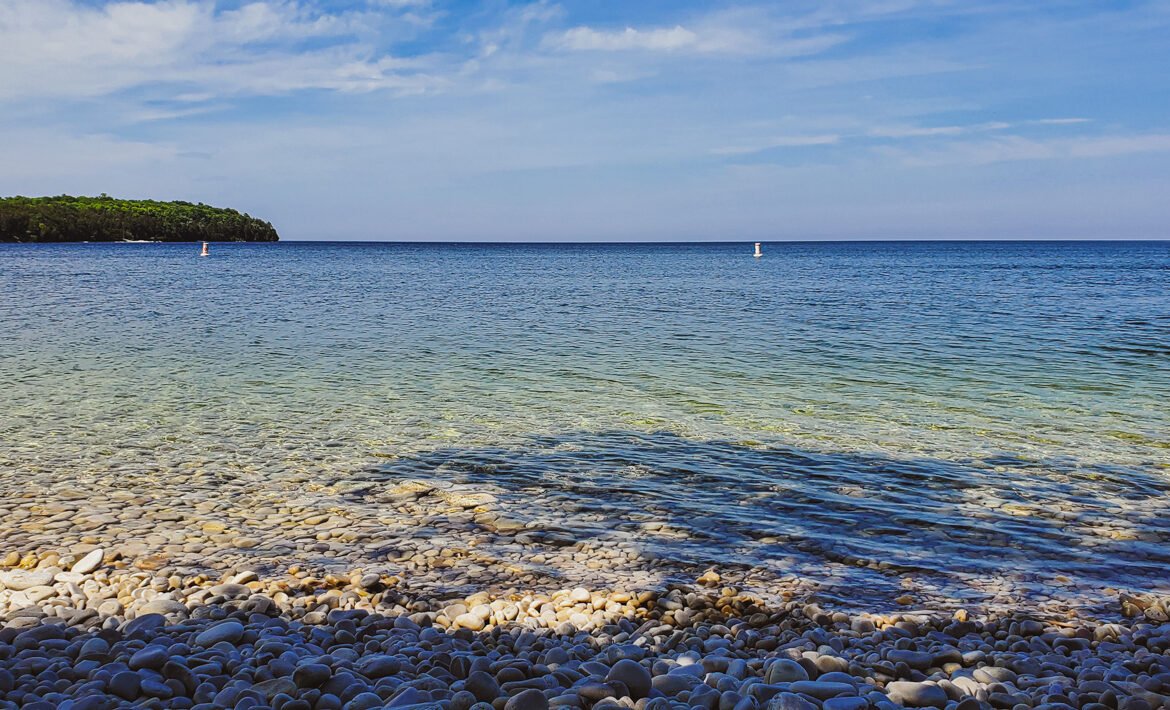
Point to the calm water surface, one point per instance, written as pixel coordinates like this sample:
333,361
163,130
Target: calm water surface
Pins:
959,412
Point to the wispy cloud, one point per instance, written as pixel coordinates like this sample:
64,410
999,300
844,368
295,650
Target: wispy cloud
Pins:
931,134
779,142
956,130
737,32
1014,148
928,131
1059,121
587,38
67,48
146,115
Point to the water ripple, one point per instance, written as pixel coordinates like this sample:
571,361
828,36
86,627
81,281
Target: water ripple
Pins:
953,411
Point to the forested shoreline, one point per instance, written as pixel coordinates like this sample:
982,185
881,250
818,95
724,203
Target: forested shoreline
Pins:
66,218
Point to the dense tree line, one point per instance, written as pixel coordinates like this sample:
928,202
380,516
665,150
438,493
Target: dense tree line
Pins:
106,219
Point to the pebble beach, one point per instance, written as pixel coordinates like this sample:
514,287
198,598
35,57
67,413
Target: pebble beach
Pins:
145,606
93,637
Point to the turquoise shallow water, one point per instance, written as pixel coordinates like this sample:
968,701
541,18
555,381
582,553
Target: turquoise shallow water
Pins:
959,412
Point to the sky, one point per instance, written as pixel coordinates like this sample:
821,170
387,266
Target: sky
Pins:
602,120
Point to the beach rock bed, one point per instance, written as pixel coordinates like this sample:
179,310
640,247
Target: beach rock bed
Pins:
443,538
84,636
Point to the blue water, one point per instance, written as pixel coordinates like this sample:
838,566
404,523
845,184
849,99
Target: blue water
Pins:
987,418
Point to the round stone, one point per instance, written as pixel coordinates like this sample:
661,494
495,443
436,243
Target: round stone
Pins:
163,606
125,685
20,579
230,631
785,670
378,666
531,699
94,648
153,657
633,675
483,686
88,563
312,675
917,695
365,701
470,621
918,660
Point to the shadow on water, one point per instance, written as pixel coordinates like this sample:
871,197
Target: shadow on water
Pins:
862,523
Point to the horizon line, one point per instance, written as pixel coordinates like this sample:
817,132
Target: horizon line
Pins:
606,242
647,242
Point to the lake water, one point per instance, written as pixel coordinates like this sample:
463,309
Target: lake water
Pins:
985,419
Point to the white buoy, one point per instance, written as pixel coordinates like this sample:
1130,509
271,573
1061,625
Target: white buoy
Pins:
758,253
205,252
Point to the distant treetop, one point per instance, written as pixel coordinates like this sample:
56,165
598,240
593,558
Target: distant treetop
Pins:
105,219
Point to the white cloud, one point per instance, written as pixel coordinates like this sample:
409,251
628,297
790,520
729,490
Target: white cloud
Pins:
147,115
70,49
586,38
513,29
746,31
780,142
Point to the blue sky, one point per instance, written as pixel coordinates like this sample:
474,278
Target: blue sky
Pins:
655,120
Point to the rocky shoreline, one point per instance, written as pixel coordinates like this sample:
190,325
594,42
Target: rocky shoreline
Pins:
450,539
85,631
356,592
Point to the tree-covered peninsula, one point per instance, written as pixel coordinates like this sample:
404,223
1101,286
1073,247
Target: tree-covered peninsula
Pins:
106,219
